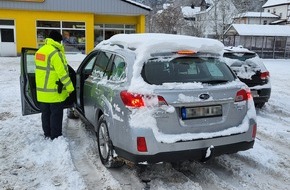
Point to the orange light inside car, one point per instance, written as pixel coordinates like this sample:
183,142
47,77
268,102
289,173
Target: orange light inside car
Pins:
186,52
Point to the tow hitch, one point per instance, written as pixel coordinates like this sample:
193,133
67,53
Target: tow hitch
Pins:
208,153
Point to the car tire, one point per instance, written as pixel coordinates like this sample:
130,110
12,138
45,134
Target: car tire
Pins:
260,105
71,113
105,146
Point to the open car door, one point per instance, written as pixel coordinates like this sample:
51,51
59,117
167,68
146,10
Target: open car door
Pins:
28,87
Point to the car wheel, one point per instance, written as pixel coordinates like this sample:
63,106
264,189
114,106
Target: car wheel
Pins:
105,146
71,113
259,105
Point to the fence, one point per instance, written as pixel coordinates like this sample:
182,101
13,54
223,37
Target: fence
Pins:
276,47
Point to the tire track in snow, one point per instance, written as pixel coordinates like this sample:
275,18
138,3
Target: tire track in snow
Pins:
228,172
208,178
83,147
85,157
84,150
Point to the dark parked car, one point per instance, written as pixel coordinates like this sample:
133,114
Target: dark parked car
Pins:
156,98
250,69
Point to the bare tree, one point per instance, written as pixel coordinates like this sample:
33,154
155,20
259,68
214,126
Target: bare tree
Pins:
155,5
221,16
169,20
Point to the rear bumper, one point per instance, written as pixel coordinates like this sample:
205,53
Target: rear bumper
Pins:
194,154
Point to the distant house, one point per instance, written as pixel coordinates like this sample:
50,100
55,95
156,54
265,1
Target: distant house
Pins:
209,18
262,18
202,4
280,8
269,41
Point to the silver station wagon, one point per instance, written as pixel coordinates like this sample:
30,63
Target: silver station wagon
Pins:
156,98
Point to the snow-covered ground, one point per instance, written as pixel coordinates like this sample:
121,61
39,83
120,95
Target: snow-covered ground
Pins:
28,161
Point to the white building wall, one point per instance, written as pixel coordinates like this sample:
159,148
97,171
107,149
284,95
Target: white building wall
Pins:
261,21
215,17
281,10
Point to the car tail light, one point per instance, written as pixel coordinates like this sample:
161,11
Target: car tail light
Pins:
254,132
135,100
243,95
141,144
161,101
132,100
265,75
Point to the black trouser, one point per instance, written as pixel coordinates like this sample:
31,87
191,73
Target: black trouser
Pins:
51,117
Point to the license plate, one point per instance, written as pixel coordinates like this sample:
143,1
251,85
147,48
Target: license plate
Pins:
255,93
201,112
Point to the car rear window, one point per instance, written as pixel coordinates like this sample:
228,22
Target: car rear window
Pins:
186,69
239,56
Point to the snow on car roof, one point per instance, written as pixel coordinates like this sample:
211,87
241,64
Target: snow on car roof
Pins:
155,42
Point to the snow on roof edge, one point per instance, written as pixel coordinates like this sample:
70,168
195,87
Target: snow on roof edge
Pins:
272,3
261,30
256,15
138,4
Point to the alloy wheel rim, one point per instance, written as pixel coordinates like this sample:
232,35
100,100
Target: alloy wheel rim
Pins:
104,141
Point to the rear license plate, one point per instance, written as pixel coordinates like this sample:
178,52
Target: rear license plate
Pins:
254,93
201,112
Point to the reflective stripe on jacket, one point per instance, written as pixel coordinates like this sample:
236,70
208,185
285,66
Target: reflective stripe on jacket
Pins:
51,66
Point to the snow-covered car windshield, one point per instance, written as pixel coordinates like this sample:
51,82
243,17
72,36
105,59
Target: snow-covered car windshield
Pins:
186,69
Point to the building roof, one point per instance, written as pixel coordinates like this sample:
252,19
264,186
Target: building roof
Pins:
258,30
105,7
256,15
272,3
279,21
188,12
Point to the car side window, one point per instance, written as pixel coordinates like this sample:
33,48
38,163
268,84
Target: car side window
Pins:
118,69
101,67
30,63
88,68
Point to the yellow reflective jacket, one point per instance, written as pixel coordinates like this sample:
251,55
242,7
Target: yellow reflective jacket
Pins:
51,67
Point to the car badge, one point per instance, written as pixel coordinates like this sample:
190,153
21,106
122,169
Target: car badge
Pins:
204,96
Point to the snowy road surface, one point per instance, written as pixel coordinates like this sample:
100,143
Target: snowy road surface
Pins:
28,161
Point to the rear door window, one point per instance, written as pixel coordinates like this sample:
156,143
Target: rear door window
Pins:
118,69
101,67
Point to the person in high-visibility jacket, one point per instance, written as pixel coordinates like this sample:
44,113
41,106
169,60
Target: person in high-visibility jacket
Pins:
53,84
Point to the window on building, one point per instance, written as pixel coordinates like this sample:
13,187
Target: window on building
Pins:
7,35
7,22
105,31
73,34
